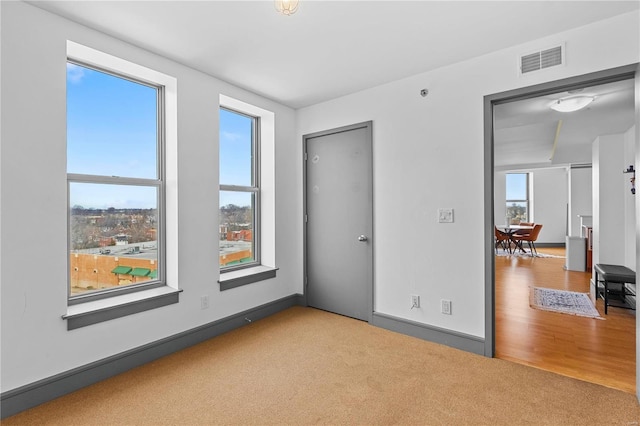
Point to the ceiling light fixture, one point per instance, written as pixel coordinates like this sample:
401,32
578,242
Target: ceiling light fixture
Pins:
286,7
572,104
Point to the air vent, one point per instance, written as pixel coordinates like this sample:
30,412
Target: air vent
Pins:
541,60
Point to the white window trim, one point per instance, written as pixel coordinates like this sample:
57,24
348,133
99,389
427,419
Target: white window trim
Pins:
126,304
528,195
253,188
266,269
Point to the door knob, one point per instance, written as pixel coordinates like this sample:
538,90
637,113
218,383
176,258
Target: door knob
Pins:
362,238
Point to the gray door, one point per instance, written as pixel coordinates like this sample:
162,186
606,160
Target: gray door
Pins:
339,220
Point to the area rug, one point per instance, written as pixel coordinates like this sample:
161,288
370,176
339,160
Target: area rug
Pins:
518,253
564,302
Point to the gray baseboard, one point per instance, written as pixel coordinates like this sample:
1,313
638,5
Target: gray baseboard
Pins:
33,394
550,244
465,342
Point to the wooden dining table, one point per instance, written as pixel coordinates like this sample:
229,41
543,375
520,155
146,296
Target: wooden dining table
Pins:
510,229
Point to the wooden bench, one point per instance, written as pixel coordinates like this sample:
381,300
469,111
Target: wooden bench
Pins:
623,293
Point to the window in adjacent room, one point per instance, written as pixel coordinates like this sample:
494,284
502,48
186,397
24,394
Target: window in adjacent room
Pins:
239,217
115,181
517,197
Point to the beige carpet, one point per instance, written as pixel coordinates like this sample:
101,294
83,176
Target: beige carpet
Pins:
304,366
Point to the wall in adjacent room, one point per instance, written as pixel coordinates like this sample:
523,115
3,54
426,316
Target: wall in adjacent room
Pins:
608,199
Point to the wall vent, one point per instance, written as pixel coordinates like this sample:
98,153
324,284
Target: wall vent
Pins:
540,60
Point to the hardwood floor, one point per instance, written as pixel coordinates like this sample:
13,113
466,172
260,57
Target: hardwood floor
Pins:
598,351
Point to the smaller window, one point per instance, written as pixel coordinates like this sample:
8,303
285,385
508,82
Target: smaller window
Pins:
517,198
239,190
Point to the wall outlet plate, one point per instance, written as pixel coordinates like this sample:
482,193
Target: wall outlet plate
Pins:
445,215
445,306
415,301
204,302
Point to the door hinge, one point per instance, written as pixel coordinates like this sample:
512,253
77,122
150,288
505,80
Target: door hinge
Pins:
306,156
306,218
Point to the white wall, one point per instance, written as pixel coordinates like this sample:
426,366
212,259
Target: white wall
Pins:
428,153
549,204
499,197
609,185
580,198
629,201
35,340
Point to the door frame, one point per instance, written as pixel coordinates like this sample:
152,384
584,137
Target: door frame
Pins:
596,78
368,125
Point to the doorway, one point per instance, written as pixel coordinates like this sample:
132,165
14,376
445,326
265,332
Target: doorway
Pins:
338,208
571,84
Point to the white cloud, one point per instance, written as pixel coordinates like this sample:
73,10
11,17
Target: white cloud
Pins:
75,73
232,137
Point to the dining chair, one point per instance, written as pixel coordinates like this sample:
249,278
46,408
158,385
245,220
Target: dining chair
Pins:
502,239
530,237
524,231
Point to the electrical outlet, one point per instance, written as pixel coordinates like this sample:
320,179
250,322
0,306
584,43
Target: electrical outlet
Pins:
415,301
445,215
204,302
445,306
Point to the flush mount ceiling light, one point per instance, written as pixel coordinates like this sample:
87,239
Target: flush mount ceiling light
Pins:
572,104
286,7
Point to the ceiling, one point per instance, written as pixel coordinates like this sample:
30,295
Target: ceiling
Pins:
328,48
529,134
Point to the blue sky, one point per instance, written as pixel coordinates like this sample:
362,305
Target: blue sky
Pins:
516,186
235,156
112,131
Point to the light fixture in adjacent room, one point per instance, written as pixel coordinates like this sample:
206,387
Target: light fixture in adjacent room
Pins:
286,7
571,104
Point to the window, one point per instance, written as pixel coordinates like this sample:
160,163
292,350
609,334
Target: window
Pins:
239,235
115,178
517,198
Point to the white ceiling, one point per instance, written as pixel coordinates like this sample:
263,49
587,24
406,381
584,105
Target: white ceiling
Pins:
328,48
525,131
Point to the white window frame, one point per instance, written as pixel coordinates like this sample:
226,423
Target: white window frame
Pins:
157,183
528,196
266,269
98,307
253,189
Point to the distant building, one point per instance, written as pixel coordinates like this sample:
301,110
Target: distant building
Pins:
121,239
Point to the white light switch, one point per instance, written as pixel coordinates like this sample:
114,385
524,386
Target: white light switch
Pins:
445,215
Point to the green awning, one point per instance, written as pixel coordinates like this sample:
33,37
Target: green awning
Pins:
140,272
121,269
153,274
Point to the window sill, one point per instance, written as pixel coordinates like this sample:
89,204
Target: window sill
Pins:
240,277
96,311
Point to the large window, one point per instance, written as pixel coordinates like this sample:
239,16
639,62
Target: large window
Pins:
239,190
115,183
517,198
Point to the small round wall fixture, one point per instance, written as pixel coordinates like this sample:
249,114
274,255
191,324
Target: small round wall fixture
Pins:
424,93
286,7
